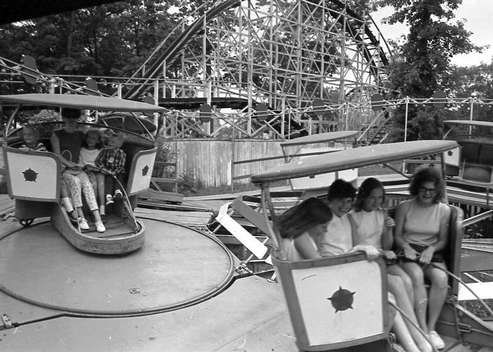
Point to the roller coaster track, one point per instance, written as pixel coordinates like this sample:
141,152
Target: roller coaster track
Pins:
169,53
151,68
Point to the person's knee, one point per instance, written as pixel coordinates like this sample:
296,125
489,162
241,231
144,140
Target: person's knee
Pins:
396,285
439,278
415,273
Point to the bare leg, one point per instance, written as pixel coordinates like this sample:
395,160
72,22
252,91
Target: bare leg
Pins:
438,292
408,283
420,297
401,330
100,182
397,288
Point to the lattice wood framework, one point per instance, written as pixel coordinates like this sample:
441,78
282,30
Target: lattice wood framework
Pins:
283,54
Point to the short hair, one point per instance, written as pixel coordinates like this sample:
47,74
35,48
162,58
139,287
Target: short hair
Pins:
428,174
71,113
341,189
304,216
365,190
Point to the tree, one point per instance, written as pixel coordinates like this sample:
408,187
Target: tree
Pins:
424,61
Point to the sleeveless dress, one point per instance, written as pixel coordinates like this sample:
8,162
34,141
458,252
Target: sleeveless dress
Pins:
292,253
369,227
422,226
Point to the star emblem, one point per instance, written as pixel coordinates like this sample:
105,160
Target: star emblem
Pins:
30,175
342,299
145,170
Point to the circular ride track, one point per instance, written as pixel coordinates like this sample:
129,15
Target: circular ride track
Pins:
177,267
284,54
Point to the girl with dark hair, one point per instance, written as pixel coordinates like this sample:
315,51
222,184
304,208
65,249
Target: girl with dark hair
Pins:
374,227
421,234
303,225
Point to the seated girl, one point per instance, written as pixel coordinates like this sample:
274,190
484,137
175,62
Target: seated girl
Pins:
305,223
91,147
421,234
66,143
374,227
338,239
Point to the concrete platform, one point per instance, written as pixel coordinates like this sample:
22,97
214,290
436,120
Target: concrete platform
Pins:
176,267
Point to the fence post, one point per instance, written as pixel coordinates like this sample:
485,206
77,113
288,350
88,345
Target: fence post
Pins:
232,158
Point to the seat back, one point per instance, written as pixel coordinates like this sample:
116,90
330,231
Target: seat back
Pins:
30,175
452,250
139,177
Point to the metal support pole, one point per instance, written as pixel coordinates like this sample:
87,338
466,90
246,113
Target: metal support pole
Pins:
405,119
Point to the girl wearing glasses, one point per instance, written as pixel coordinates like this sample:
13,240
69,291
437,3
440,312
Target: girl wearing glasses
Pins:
421,235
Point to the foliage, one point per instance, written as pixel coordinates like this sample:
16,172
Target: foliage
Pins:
188,184
111,39
423,62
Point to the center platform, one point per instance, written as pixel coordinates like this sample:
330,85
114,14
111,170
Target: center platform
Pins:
177,267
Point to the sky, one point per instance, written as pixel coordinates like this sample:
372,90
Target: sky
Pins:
477,16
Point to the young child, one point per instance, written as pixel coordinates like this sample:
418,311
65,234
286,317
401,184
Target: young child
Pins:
374,227
91,147
111,163
30,135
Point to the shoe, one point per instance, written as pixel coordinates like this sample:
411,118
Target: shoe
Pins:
83,224
118,194
100,227
436,340
109,199
102,210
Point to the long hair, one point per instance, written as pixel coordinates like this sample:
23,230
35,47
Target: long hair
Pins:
304,216
428,174
365,190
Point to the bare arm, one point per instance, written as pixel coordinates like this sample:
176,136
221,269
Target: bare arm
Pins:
400,217
388,232
304,246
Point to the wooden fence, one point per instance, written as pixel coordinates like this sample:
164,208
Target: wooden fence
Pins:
210,161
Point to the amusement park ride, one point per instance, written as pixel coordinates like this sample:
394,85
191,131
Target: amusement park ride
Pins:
182,289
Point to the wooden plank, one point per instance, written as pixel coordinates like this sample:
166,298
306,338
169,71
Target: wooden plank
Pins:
251,215
162,196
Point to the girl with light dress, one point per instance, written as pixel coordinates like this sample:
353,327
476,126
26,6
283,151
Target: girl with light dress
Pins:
315,229
421,234
374,227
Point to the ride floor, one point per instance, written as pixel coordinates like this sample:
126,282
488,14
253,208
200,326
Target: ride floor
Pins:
170,295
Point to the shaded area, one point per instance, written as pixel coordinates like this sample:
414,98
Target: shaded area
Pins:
13,11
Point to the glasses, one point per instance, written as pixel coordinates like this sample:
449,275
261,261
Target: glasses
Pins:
427,190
